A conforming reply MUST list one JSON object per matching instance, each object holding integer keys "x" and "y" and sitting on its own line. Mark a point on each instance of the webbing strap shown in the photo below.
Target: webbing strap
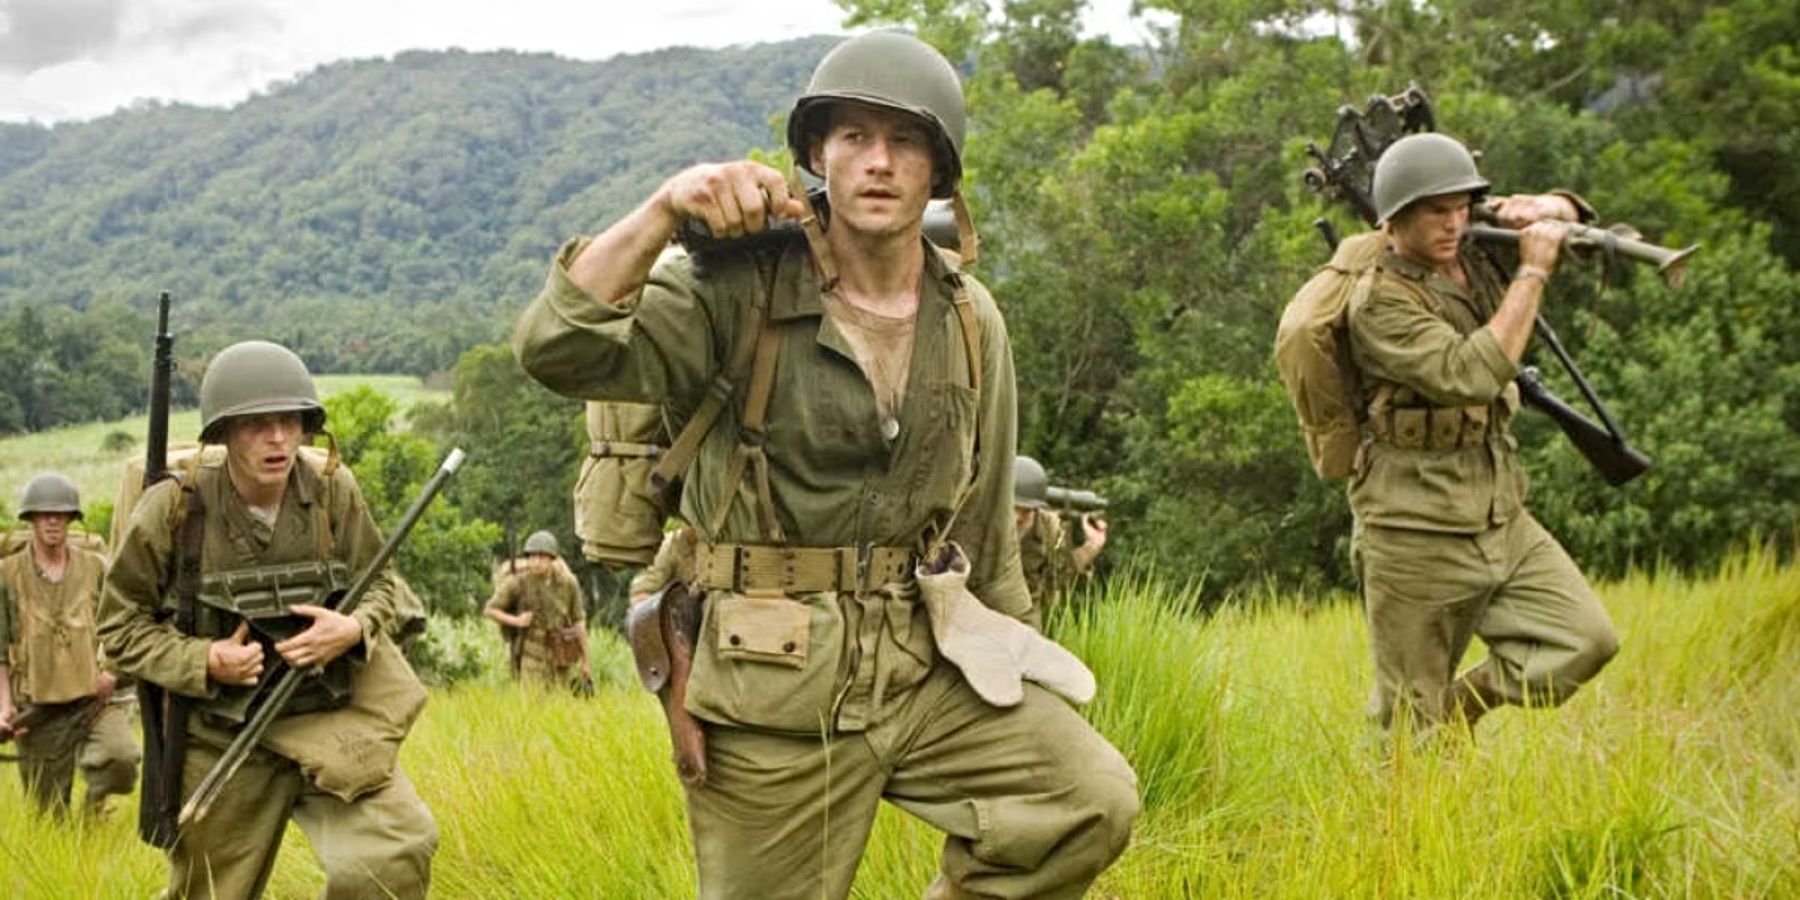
{"x": 815, "y": 234}
{"x": 687, "y": 444}
{"x": 750, "y": 442}
{"x": 968, "y": 243}
{"x": 628, "y": 449}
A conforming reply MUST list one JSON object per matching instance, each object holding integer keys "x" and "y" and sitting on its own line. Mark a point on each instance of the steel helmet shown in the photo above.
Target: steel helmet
{"x": 1419, "y": 166}
{"x": 252, "y": 378}
{"x": 894, "y": 71}
{"x": 49, "y": 492}
{"x": 1031, "y": 485}
{"x": 541, "y": 542}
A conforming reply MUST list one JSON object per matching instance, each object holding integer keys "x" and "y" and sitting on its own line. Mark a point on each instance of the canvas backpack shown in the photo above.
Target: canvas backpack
{"x": 1312, "y": 351}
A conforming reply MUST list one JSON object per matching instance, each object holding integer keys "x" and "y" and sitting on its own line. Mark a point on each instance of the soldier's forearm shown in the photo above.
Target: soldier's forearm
{"x": 618, "y": 260}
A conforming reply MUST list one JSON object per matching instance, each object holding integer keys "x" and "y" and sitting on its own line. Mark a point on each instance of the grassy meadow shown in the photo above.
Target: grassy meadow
{"x": 1673, "y": 775}
{"x": 85, "y": 454}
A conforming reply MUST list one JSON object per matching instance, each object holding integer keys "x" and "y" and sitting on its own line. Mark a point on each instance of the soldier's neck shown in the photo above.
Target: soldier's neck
{"x": 880, "y": 273}
{"x": 50, "y": 560}
{"x": 255, "y": 493}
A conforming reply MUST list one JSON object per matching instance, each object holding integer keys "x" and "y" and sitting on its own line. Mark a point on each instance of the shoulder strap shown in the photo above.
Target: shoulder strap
{"x": 686, "y": 445}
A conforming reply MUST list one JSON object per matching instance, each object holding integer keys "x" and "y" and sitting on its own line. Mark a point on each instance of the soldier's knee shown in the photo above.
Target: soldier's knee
{"x": 1593, "y": 650}
{"x": 1110, "y": 794}
{"x": 115, "y": 776}
{"x": 398, "y": 866}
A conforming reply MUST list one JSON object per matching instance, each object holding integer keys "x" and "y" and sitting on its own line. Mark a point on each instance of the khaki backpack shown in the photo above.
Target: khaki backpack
{"x": 618, "y": 515}
{"x": 1312, "y": 350}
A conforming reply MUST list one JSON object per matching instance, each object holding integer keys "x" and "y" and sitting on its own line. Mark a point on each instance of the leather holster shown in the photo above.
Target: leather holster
{"x": 662, "y": 631}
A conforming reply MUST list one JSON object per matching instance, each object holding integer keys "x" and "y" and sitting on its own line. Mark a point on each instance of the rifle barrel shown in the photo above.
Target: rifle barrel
{"x": 1670, "y": 264}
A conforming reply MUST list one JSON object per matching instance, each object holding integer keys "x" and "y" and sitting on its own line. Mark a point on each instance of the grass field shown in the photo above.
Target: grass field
{"x": 1673, "y": 775}
{"x": 80, "y": 451}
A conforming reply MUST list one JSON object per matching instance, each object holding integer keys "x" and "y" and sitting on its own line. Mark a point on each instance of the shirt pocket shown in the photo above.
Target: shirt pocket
{"x": 768, "y": 662}
{"x": 944, "y": 460}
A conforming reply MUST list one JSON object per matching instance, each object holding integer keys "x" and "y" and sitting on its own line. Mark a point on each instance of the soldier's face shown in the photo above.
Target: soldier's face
{"x": 1022, "y": 516}
{"x": 261, "y": 449}
{"x": 1430, "y": 231}
{"x": 50, "y": 529}
{"x": 877, "y": 166}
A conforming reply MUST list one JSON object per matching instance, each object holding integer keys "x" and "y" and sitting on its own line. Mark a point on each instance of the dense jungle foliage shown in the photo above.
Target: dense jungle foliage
{"x": 1143, "y": 222}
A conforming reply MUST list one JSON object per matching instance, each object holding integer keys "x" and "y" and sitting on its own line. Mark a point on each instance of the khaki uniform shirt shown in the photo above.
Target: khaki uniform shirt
{"x": 1048, "y": 558}
{"x": 674, "y": 560}
{"x": 554, "y": 600}
{"x": 836, "y": 480}
{"x": 1422, "y": 337}
{"x": 49, "y": 629}
{"x": 138, "y": 643}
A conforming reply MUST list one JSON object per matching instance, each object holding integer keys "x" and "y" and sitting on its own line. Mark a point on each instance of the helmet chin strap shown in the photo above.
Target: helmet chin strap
{"x": 968, "y": 243}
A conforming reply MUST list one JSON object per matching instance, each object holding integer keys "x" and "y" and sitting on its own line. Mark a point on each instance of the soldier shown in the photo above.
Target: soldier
{"x": 268, "y": 526}
{"x": 1050, "y": 562}
{"x": 49, "y": 591}
{"x": 543, "y": 601}
{"x": 877, "y": 424}
{"x": 1444, "y": 545}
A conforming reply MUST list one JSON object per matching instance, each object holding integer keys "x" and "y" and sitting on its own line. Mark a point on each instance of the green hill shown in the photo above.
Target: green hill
{"x": 380, "y": 215}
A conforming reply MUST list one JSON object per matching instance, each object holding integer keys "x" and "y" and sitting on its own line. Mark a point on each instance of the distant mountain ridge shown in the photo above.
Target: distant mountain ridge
{"x": 381, "y": 214}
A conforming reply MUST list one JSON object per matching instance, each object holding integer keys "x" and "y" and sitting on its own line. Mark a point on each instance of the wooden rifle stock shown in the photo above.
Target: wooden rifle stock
{"x": 1615, "y": 460}
{"x": 164, "y": 715}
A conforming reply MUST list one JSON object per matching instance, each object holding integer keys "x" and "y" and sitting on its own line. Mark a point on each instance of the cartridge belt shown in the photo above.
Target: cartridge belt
{"x": 800, "y": 570}
{"x": 1430, "y": 427}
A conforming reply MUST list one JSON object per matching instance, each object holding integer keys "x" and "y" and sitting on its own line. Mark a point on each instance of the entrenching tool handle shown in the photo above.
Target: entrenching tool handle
{"x": 289, "y": 678}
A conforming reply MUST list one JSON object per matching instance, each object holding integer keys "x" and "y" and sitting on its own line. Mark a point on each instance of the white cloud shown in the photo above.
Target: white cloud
{"x": 216, "y": 52}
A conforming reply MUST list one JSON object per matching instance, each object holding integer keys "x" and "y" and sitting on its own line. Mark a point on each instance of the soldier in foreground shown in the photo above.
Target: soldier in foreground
{"x": 56, "y": 698}
{"x": 874, "y": 438}
{"x": 1444, "y": 545}
{"x": 1050, "y": 561}
{"x": 543, "y": 601}
{"x": 266, "y": 525}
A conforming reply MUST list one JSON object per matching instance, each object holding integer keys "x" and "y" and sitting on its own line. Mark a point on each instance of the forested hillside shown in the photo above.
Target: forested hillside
{"x": 1143, "y": 219}
{"x": 380, "y": 215}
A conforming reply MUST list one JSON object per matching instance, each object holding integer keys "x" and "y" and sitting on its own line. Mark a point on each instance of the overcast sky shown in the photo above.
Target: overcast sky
{"x": 78, "y": 59}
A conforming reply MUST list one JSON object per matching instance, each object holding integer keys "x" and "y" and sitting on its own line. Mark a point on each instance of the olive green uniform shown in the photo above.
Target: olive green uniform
{"x": 374, "y": 837}
{"x": 1047, "y": 556}
{"x": 820, "y": 702}
{"x": 1444, "y": 546}
{"x": 553, "y": 597}
{"x": 53, "y": 655}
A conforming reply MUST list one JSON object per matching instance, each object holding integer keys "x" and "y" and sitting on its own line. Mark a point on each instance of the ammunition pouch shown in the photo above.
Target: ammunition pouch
{"x": 262, "y": 597}
{"x": 1430, "y": 427}
{"x": 566, "y": 646}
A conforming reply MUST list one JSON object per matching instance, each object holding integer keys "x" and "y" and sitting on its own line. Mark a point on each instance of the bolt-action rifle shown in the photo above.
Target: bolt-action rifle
{"x": 164, "y": 713}
{"x": 1345, "y": 172}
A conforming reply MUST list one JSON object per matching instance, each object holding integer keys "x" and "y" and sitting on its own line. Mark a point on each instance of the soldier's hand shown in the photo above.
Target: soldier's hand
{"x": 1094, "y": 529}
{"x": 733, "y": 199}
{"x": 1540, "y": 244}
{"x": 1520, "y": 210}
{"x": 103, "y": 687}
{"x": 329, "y": 636}
{"x": 523, "y": 620}
{"x": 235, "y": 660}
{"x": 7, "y": 711}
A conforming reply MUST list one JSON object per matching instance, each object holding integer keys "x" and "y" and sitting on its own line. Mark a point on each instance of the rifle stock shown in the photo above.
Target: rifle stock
{"x": 1615, "y": 460}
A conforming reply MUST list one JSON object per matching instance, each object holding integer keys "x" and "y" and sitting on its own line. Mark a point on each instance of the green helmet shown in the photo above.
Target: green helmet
{"x": 1031, "y": 485}
{"x": 49, "y": 492}
{"x": 541, "y": 542}
{"x": 1419, "y": 166}
{"x": 252, "y": 378}
{"x": 892, "y": 71}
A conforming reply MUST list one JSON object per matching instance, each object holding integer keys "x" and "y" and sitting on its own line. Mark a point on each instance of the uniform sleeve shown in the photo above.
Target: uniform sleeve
{"x": 651, "y": 347}
{"x": 134, "y": 642}
{"x": 576, "y": 607}
{"x": 387, "y": 607}
{"x": 984, "y": 527}
{"x": 8, "y": 619}
{"x": 1396, "y": 338}
{"x": 506, "y": 594}
{"x": 661, "y": 570}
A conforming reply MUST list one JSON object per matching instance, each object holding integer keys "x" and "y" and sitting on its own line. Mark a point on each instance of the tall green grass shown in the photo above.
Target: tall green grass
{"x": 1672, "y": 775}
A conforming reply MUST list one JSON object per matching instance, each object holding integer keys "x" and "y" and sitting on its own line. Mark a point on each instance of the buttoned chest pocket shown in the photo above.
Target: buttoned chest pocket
{"x": 770, "y": 662}
{"x": 945, "y": 456}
